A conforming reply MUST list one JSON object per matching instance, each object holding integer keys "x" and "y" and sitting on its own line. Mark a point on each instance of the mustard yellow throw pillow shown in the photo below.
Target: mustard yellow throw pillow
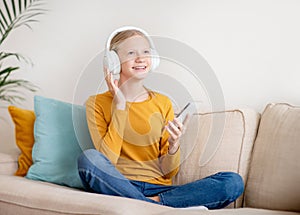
{"x": 24, "y": 123}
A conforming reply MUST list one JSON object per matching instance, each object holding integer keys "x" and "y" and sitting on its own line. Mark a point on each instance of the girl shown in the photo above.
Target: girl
{"x": 137, "y": 138}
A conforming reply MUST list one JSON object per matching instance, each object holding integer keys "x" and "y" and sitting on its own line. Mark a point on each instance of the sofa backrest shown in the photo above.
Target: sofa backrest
{"x": 274, "y": 176}
{"x": 218, "y": 141}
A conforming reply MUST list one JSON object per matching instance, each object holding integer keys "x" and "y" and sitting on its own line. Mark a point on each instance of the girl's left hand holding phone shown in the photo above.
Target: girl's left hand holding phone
{"x": 175, "y": 129}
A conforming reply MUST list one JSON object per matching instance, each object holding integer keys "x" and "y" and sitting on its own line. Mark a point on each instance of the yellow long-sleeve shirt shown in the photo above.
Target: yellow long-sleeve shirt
{"x": 134, "y": 139}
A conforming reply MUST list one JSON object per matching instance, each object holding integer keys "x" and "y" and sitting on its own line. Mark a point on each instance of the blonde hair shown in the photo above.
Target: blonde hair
{"x": 123, "y": 35}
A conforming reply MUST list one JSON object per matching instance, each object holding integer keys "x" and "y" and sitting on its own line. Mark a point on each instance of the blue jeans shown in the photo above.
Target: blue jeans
{"x": 99, "y": 175}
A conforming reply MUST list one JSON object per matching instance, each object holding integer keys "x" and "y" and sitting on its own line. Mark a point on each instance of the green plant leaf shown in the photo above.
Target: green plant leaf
{"x": 12, "y": 91}
{"x": 20, "y": 6}
{"x": 7, "y": 10}
{"x": 14, "y": 14}
{"x": 23, "y": 18}
{"x": 19, "y": 57}
{"x": 11, "y": 85}
{"x": 5, "y": 73}
{"x": 14, "y": 7}
{"x": 4, "y": 19}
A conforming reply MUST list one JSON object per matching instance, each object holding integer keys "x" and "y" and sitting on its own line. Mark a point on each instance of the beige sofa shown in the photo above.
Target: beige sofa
{"x": 262, "y": 148}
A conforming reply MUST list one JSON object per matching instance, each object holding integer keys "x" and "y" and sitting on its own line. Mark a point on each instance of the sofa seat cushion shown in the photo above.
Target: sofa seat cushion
{"x": 237, "y": 211}
{"x": 8, "y": 163}
{"x": 274, "y": 175}
{"x": 19, "y": 195}
{"x": 219, "y": 141}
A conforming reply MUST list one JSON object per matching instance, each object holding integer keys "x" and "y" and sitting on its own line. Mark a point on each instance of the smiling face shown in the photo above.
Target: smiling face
{"x": 134, "y": 54}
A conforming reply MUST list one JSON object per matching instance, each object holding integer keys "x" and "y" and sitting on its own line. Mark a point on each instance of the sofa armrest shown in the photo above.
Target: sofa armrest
{"x": 8, "y": 163}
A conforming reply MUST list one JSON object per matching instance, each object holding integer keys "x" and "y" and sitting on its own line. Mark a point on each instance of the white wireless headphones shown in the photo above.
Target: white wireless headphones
{"x": 111, "y": 59}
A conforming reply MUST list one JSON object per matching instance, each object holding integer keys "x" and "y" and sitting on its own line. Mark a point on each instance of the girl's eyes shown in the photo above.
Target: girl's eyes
{"x": 131, "y": 53}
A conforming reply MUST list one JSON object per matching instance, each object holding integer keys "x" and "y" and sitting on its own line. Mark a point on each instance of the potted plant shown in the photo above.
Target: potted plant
{"x": 14, "y": 14}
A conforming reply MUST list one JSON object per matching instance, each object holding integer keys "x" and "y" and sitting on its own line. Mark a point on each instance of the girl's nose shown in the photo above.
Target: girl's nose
{"x": 140, "y": 58}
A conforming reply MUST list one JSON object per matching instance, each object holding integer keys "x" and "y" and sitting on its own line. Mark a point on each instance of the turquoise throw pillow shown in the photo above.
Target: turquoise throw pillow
{"x": 61, "y": 134}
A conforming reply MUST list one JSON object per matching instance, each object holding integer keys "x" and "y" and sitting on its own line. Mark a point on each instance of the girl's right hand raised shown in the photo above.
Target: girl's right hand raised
{"x": 113, "y": 86}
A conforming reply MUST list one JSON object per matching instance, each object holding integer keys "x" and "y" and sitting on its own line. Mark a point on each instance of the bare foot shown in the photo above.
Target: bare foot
{"x": 155, "y": 198}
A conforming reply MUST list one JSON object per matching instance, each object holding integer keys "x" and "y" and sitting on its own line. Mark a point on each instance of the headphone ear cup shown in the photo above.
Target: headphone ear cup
{"x": 155, "y": 60}
{"x": 112, "y": 62}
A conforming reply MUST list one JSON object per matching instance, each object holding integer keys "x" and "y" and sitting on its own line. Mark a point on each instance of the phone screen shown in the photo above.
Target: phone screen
{"x": 187, "y": 109}
{"x": 183, "y": 109}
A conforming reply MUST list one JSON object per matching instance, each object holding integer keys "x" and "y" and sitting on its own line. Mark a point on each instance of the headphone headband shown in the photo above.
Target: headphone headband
{"x": 126, "y": 28}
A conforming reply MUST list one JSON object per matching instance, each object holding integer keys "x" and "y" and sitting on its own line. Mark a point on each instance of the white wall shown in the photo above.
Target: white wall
{"x": 251, "y": 45}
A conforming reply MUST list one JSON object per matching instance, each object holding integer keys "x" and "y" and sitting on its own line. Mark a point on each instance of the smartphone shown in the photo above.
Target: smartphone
{"x": 184, "y": 112}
